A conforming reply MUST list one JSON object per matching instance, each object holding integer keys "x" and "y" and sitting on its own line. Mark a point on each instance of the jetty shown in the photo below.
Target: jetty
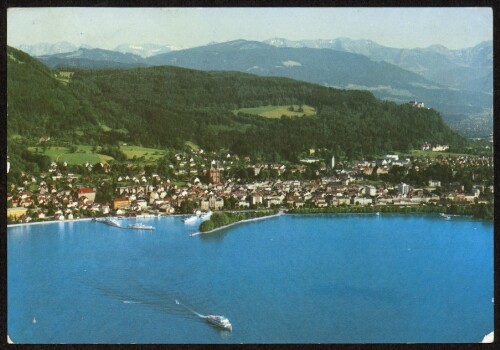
{"x": 238, "y": 222}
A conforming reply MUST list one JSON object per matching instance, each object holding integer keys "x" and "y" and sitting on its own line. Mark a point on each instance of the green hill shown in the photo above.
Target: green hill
{"x": 167, "y": 106}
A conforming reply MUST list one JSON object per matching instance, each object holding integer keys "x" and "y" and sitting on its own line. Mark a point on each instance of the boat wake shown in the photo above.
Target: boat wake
{"x": 157, "y": 299}
{"x": 194, "y": 312}
{"x": 151, "y": 297}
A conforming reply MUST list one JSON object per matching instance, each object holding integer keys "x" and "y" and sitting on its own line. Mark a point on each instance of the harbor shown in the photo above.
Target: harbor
{"x": 115, "y": 223}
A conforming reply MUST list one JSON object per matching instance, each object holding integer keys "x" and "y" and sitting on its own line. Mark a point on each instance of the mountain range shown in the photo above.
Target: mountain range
{"x": 143, "y": 50}
{"x": 458, "y": 83}
{"x": 468, "y": 68}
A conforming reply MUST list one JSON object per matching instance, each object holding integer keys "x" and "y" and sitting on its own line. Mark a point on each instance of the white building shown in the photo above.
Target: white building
{"x": 392, "y": 157}
{"x": 434, "y": 183}
{"x": 403, "y": 188}
{"x": 440, "y": 148}
{"x": 211, "y": 203}
{"x": 371, "y": 191}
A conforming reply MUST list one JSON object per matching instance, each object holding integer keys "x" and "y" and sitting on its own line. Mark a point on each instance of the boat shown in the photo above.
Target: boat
{"x": 109, "y": 221}
{"x": 192, "y": 219}
{"x": 219, "y": 321}
{"x": 377, "y": 213}
{"x": 140, "y": 227}
{"x": 206, "y": 216}
{"x": 445, "y": 216}
{"x": 112, "y": 222}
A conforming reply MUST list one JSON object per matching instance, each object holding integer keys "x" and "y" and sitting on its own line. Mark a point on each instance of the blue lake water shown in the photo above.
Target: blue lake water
{"x": 290, "y": 279}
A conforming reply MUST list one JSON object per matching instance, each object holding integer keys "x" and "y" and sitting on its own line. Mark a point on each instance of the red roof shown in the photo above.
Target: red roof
{"x": 86, "y": 190}
{"x": 121, "y": 200}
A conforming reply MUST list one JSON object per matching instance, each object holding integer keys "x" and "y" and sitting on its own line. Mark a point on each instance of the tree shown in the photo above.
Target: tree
{"x": 207, "y": 226}
{"x": 187, "y": 207}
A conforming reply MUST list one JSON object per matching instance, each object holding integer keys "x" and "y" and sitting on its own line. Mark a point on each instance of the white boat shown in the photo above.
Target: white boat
{"x": 445, "y": 216}
{"x": 109, "y": 221}
{"x": 191, "y": 219}
{"x": 140, "y": 227}
{"x": 219, "y": 321}
{"x": 377, "y": 213}
{"x": 206, "y": 216}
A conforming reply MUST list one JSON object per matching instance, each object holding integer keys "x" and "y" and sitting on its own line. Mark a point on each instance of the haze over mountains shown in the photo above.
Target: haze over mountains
{"x": 458, "y": 83}
{"x": 143, "y": 50}
{"x": 458, "y": 68}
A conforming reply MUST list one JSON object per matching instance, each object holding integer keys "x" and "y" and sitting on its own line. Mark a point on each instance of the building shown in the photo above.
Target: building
{"x": 370, "y": 191}
{"x": 256, "y": 199}
{"x": 391, "y": 157}
{"x": 204, "y": 204}
{"x": 440, "y": 148}
{"x": 434, "y": 183}
{"x": 310, "y": 160}
{"x": 215, "y": 173}
{"x": 119, "y": 203}
{"x": 403, "y": 188}
{"x": 211, "y": 203}
{"x": 215, "y": 203}
{"x": 15, "y": 213}
{"x": 87, "y": 192}
{"x": 416, "y": 104}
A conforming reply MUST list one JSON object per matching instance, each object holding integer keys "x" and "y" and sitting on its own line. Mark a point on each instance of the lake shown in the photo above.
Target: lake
{"x": 290, "y": 279}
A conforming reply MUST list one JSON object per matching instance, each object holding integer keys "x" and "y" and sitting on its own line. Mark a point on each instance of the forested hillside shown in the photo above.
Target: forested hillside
{"x": 166, "y": 106}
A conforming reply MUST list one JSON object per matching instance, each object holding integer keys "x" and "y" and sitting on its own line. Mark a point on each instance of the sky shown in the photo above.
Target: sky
{"x": 188, "y": 27}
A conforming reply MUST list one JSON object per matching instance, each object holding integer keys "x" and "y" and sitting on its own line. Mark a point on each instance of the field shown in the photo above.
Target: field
{"x": 149, "y": 154}
{"x": 192, "y": 145}
{"x": 278, "y": 111}
{"x": 64, "y": 77}
{"x": 82, "y": 155}
{"x": 431, "y": 154}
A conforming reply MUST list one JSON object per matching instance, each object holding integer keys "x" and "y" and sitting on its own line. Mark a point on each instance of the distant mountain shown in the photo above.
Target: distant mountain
{"x": 453, "y": 68}
{"x": 145, "y": 50}
{"x": 329, "y": 68}
{"x": 93, "y": 58}
{"x": 362, "y": 47}
{"x": 47, "y": 48}
{"x": 326, "y": 67}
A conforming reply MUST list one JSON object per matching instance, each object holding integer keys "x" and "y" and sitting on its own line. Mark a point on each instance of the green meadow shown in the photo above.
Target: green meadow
{"x": 82, "y": 155}
{"x": 278, "y": 111}
{"x": 431, "y": 154}
{"x": 149, "y": 154}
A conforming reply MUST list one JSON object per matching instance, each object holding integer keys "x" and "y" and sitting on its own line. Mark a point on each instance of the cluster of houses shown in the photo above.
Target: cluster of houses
{"x": 435, "y": 148}
{"x": 61, "y": 195}
{"x": 416, "y": 104}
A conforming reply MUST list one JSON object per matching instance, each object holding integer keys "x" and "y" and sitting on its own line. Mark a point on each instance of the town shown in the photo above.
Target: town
{"x": 213, "y": 181}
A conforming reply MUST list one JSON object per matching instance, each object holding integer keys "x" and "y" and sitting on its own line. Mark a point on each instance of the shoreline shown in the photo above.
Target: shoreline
{"x": 237, "y": 222}
{"x": 47, "y": 222}
{"x": 218, "y": 228}
{"x": 87, "y": 219}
